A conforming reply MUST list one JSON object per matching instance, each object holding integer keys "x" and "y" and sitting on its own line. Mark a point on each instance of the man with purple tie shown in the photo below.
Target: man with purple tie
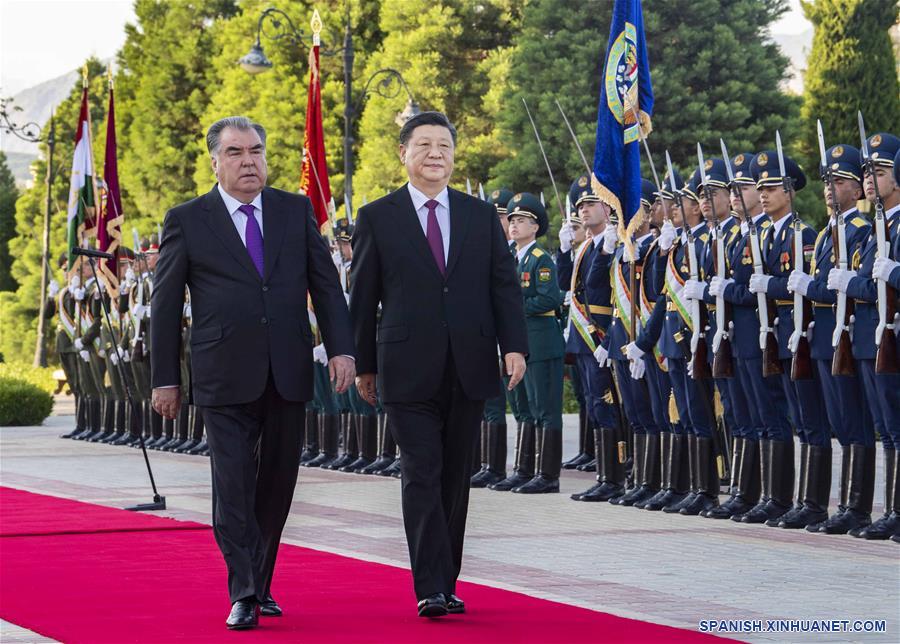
{"x": 249, "y": 255}
{"x": 438, "y": 263}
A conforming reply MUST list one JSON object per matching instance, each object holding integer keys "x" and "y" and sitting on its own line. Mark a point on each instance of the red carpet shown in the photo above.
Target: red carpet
{"x": 147, "y": 582}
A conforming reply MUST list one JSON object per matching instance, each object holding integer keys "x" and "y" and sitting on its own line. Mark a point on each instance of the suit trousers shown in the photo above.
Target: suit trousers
{"x": 254, "y": 454}
{"x": 437, "y": 439}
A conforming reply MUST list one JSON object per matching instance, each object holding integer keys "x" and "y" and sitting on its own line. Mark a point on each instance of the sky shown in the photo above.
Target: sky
{"x": 79, "y": 28}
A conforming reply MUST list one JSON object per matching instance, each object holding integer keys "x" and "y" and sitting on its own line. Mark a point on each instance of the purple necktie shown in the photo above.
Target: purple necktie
{"x": 434, "y": 237}
{"x": 254, "y": 238}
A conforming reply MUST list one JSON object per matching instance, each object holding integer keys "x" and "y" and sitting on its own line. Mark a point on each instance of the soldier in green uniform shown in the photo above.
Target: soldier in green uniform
{"x": 544, "y": 376}
{"x": 63, "y": 302}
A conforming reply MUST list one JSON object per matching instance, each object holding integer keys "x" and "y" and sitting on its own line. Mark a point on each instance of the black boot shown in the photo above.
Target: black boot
{"x": 133, "y": 419}
{"x": 109, "y": 421}
{"x": 367, "y": 436}
{"x": 737, "y": 447}
{"x": 548, "y": 464}
{"x": 610, "y": 471}
{"x": 387, "y": 448}
{"x": 480, "y": 456}
{"x": 859, "y": 494}
{"x": 584, "y": 455}
{"x": 118, "y": 423}
{"x": 707, "y": 479}
{"x": 843, "y": 492}
{"x": 781, "y": 487}
{"x": 202, "y": 447}
{"x": 524, "y": 467}
{"x": 348, "y": 443}
{"x": 89, "y": 412}
{"x": 329, "y": 427}
{"x": 765, "y": 479}
{"x": 889, "y": 524}
{"x": 311, "y": 432}
{"x": 79, "y": 418}
{"x": 689, "y": 472}
{"x": 663, "y": 477}
{"x": 393, "y": 470}
{"x": 677, "y": 481}
{"x": 816, "y": 490}
{"x": 495, "y": 454}
{"x": 639, "y": 460}
{"x": 747, "y": 484}
{"x": 788, "y": 516}
{"x": 182, "y": 429}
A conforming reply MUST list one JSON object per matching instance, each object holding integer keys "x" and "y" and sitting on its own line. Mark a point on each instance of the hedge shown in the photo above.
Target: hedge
{"x": 22, "y": 403}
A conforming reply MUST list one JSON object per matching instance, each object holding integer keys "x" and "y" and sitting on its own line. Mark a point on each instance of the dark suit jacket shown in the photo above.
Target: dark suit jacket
{"x": 424, "y": 315}
{"x": 243, "y": 324}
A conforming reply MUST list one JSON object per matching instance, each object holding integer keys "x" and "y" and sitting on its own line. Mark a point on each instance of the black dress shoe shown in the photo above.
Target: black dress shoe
{"x": 244, "y": 614}
{"x": 455, "y": 605}
{"x": 433, "y": 606}
{"x": 540, "y": 484}
{"x": 515, "y": 479}
{"x": 269, "y": 607}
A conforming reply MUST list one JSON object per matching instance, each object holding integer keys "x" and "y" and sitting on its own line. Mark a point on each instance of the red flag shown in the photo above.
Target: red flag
{"x": 109, "y": 230}
{"x": 314, "y": 171}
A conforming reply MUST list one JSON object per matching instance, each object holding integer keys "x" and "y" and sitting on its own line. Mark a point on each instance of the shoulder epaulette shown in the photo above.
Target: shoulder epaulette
{"x": 735, "y": 229}
{"x": 766, "y": 223}
{"x": 537, "y": 252}
{"x": 704, "y": 237}
{"x": 859, "y": 222}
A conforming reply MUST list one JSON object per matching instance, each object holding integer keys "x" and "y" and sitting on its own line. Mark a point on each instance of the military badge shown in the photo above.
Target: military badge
{"x": 582, "y": 181}
{"x": 876, "y": 141}
{"x": 764, "y": 174}
{"x": 835, "y": 166}
{"x": 874, "y": 155}
{"x": 518, "y": 197}
{"x": 709, "y": 164}
{"x": 739, "y": 173}
{"x": 762, "y": 158}
{"x": 837, "y": 152}
{"x": 739, "y": 160}
{"x": 543, "y": 274}
{"x": 495, "y": 194}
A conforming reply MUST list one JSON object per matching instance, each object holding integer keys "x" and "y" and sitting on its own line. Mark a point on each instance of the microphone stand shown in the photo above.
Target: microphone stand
{"x": 159, "y": 502}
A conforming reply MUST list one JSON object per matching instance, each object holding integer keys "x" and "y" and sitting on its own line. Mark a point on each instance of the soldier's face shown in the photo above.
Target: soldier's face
{"x": 690, "y": 212}
{"x": 594, "y": 215}
{"x": 428, "y": 156}
{"x": 346, "y": 250}
{"x": 577, "y": 231}
{"x": 657, "y": 212}
{"x": 240, "y": 163}
{"x": 504, "y": 222}
{"x": 887, "y": 187}
{"x": 718, "y": 199}
{"x": 522, "y": 229}
{"x": 674, "y": 212}
{"x": 750, "y": 196}
{"x": 152, "y": 258}
{"x": 774, "y": 200}
{"x": 846, "y": 191}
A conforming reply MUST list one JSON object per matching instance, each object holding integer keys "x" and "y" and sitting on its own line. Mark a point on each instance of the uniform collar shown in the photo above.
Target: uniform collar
{"x": 521, "y": 253}
{"x": 780, "y": 224}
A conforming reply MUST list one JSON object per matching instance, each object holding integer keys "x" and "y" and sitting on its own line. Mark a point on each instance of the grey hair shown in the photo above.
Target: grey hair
{"x": 237, "y": 122}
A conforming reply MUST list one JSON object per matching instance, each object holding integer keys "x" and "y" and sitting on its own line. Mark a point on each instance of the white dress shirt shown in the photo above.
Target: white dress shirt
{"x": 238, "y": 217}
{"x": 442, "y": 211}
{"x": 521, "y": 253}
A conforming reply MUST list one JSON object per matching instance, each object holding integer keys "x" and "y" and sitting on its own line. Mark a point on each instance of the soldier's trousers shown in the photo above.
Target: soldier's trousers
{"x": 883, "y": 397}
{"x": 636, "y": 400}
{"x": 597, "y": 385}
{"x": 518, "y": 402}
{"x": 744, "y": 414}
{"x": 766, "y": 398}
{"x": 323, "y": 397}
{"x": 693, "y": 398}
{"x": 544, "y": 387}
{"x": 806, "y": 408}
{"x": 845, "y": 405}
{"x": 495, "y": 408}
{"x": 660, "y": 389}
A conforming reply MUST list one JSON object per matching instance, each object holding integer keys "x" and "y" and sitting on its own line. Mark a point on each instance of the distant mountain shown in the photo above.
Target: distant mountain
{"x": 796, "y": 47}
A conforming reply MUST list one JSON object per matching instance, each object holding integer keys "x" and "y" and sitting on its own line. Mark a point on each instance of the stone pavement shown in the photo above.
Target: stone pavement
{"x": 668, "y": 569}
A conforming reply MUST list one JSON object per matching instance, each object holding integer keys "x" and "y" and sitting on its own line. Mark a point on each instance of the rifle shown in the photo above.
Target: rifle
{"x": 723, "y": 362}
{"x": 768, "y": 343}
{"x": 886, "y": 355}
{"x": 801, "y": 364}
{"x": 842, "y": 359}
{"x": 688, "y": 347}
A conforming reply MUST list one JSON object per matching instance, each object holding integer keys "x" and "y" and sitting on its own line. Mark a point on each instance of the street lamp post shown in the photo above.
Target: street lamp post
{"x": 31, "y": 132}
{"x": 389, "y": 85}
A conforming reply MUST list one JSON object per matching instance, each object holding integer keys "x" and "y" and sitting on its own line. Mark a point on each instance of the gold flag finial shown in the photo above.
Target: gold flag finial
{"x": 316, "y": 24}
{"x": 84, "y": 76}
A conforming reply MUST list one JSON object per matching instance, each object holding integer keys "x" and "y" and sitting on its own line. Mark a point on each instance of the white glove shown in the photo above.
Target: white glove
{"x": 610, "y": 237}
{"x": 717, "y": 285}
{"x": 690, "y": 367}
{"x": 882, "y": 269}
{"x": 693, "y": 290}
{"x": 637, "y": 369}
{"x": 759, "y": 283}
{"x": 126, "y": 356}
{"x": 566, "y": 237}
{"x": 114, "y": 358}
{"x": 138, "y": 311}
{"x": 799, "y": 282}
{"x": 745, "y": 228}
{"x": 839, "y": 279}
{"x": 633, "y": 352}
{"x": 567, "y": 298}
{"x": 129, "y": 274}
{"x": 53, "y": 288}
{"x": 147, "y": 311}
{"x": 85, "y": 355}
{"x": 809, "y": 331}
{"x": 600, "y": 355}
{"x": 79, "y": 345}
{"x": 667, "y": 236}
{"x": 101, "y": 353}
{"x": 79, "y": 294}
{"x": 626, "y": 254}
{"x": 319, "y": 354}
{"x": 74, "y": 283}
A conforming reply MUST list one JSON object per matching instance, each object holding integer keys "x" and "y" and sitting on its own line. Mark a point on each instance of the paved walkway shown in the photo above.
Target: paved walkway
{"x": 668, "y": 569}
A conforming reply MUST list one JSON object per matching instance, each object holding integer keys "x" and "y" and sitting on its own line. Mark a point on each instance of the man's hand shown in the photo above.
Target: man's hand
{"x": 883, "y": 268}
{"x": 799, "y": 282}
{"x": 667, "y": 236}
{"x": 759, "y": 283}
{"x": 342, "y": 371}
{"x": 839, "y": 279}
{"x": 610, "y": 239}
{"x": 166, "y": 401}
{"x": 365, "y": 386}
{"x": 515, "y": 367}
{"x": 566, "y": 237}
{"x": 693, "y": 289}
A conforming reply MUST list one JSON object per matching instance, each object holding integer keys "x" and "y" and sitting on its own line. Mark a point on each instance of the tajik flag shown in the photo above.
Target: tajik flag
{"x": 82, "y": 194}
{"x": 109, "y": 227}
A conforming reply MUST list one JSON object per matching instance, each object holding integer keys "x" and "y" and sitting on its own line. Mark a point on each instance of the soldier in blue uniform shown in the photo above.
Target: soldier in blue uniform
{"x": 842, "y": 394}
{"x": 544, "y": 376}
{"x": 882, "y": 390}
{"x": 615, "y": 264}
{"x": 804, "y": 397}
{"x": 648, "y": 362}
{"x": 589, "y": 317}
{"x": 715, "y": 204}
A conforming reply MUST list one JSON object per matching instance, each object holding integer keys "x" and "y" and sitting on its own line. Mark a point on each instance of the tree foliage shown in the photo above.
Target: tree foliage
{"x": 8, "y": 195}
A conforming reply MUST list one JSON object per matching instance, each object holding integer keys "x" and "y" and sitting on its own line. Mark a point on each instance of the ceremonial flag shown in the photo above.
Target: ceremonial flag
{"x": 82, "y": 194}
{"x": 109, "y": 229}
{"x": 314, "y": 171}
{"x": 626, "y": 103}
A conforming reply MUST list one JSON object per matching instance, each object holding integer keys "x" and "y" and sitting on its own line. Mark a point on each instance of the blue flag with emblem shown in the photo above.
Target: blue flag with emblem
{"x": 626, "y": 103}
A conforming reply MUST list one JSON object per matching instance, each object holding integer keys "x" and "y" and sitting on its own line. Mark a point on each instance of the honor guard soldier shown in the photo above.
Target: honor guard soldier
{"x": 493, "y": 426}
{"x": 804, "y": 396}
{"x": 65, "y": 304}
{"x": 878, "y": 369}
{"x": 544, "y": 375}
{"x": 616, "y": 260}
{"x": 589, "y": 317}
{"x": 91, "y": 371}
{"x": 842, "y": 393}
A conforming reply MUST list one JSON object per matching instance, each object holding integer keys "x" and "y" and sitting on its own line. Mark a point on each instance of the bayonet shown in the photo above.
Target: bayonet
{"x": 546, "y": 162}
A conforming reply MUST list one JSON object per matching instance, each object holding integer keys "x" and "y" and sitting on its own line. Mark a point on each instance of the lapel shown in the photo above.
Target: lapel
{"x": 409, "y": 223}
{"x": 459, "y": 224}
{"x": 275, "y": 219}
{"x": 219, "y": 222}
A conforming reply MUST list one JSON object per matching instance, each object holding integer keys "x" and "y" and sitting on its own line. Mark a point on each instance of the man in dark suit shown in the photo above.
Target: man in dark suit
{"x": 437, "y": 261}
{"x": 249, "y": 255}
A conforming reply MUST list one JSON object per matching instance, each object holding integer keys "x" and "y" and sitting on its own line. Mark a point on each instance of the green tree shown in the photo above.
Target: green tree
{"x": 164, "y": 83}
{"x": 851, "y": 67}
{"x": 8, "y": 195}
{"x": 19, "y": 309}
